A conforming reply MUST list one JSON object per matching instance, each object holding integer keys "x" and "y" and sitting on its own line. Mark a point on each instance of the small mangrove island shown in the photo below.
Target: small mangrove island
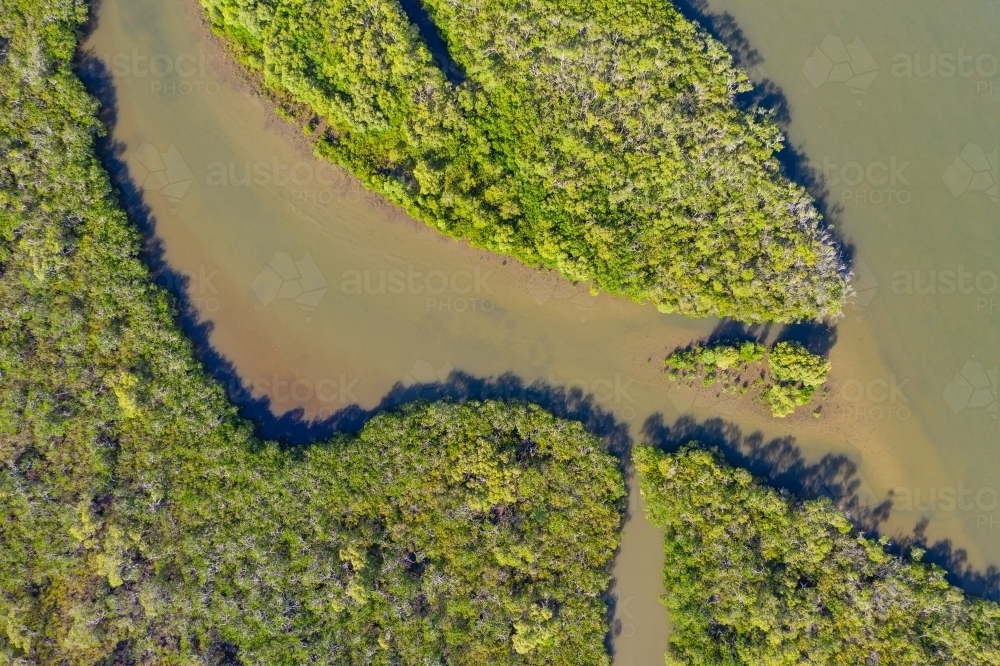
{"x": 790, "y": 379}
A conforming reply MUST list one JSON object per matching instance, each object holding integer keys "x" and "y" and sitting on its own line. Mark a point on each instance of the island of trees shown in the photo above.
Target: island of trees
{"x": 597, "y": 138}
{"x": 790, "y": 379}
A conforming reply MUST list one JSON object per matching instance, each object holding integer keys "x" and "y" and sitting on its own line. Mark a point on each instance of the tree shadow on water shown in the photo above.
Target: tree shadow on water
{"x": 782, "y": 465}
{"x": 817, "y": 337}
{"x": 421, "y": 19}
{"x": 955, "y": 561}
{"x": 730, "y": 330}
{"x": 780, "y": 461}
{"x": 293, "y": 429}
{"x": 112, "y": 154}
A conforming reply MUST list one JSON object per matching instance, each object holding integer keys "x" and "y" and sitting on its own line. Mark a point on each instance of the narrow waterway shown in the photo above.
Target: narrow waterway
{"x": 323, "y": 301}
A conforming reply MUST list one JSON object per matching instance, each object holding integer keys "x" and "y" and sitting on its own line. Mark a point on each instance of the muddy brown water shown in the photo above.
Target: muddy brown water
{"x": 321, "y": 296}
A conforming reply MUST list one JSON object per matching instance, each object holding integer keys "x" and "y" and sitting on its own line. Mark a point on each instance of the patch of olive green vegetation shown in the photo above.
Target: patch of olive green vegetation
{"x": 596, "y": 137}
{"x": 142, "y": 522}
{"x": 784, "y": 376}
{"x": 754, "y": 576}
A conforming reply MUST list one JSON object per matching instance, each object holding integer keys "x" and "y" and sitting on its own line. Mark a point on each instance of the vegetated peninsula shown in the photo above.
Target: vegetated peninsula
{"x": 141, "y": 522}
{"x": 754, "y": 576}
{"x": 596, "y": 137}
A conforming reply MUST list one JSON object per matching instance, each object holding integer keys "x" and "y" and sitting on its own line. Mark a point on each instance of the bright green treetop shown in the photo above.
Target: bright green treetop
{"x": 757, "y": 577}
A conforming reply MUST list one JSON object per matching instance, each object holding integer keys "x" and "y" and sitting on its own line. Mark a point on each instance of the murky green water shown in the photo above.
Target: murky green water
{"x": 323, "y": 296}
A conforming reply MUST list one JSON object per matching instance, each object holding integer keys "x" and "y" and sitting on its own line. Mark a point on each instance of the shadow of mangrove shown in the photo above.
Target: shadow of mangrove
{"x": 97, "y": 79}
{"x": 817, "y": 337}
{"x": 955, "y": 561}
{"x": 779, "y": 461}
{"x": 782, "y": 465}
{"x": 293, "y": 429}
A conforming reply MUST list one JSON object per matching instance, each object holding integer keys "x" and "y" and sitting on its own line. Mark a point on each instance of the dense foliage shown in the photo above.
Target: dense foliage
{"x": 596, "y": 137}
{"x": 142, "y": 522}
{"x": 792, "y": 376}
{"x": 757, "y": 577}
